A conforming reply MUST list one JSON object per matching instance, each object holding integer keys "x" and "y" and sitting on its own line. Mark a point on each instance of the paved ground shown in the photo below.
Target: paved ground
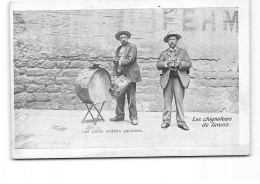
{"x": 63, "y": 129}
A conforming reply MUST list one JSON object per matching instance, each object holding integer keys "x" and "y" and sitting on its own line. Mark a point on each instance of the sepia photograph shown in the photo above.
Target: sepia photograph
{"x": 124, "y": 81}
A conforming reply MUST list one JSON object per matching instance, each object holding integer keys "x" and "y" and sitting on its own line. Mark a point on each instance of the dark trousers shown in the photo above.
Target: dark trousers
{"x": 130, "y": 92}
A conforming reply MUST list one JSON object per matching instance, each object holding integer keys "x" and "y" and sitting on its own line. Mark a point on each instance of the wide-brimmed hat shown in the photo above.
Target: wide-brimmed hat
{"x": 171, "y": 33}
{"x": 122, "y": 32}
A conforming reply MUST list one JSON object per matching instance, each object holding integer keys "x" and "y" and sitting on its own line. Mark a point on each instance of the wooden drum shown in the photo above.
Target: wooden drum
{"x": 92, "y": 85}
{"x": 119, "y": 86}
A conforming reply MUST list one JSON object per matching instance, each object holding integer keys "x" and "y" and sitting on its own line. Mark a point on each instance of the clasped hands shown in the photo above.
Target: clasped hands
{"x": 172, "y": 64}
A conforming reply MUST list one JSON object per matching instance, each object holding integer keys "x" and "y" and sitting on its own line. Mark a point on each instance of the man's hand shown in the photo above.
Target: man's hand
{"x": 116, "y": 60}
{"x": 174, "y": 68}
{"x": 113, "y": 78}
{"x": 171, "y": 61}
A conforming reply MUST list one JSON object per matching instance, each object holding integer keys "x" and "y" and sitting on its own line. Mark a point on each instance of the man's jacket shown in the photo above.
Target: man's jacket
{"x": 129, "y": 64}
{"x": 183, "y": 62}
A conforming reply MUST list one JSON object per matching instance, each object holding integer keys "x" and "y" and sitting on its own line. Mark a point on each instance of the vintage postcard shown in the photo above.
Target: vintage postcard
{"x": 129, "y": 79}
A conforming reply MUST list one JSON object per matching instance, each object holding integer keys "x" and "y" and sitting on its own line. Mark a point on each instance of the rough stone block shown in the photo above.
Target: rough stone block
{"x": 70, "y": 72}
{"x": 197, "y": 75}
{"x": 63, "y": 64}
{"x": 149, "y": 89}
{"x": 23, "y": 97}
{"x": 42, "y": 64}
{"x": 206, "y": 99}
{"x": 33, "y": 88}
{"x": 234, "y": 108}
{"x": 71, "y": 80}
{"x": 53, "y": 72}
{"x": 82, "y": 106}
{"x": 202, "y": 68}
{"x": 16, "y": 72}
{"x": 221, "y": 67}
{"x": 145, "y": 97}
{"x": 233, "y": 96}
{"x": 155, "y": 81}
{"x": 204, "y": 83}
{"x": 55, "y": 97}
{"x": 216, "y": 83}
{"x": 67, "y": 107}
{"x": 148, "y": 61}
{"x": 150, "y": 73}
{"x": 53, "y": 89}
{"x": 79, "y": 64}
{"x": 231, "y": 75}
{"x": 67, "y": 88}
{"x": 16, "y": 56}
{"x": 156, "y": 103}
{"x": 35, "y": 72}
{"x": 19, "y": 105}
{"x": 22, "y": 80}
{"x": 66, "y": 101}
{"x": 62, "y": 98}
{"x": 148, "y": 66}
{"x": 20, "y": 64}
{"x": 50, "y": 64}
{"x": 44, "y": 80}
{"x": 41, "y": 97}
{"x": 18, "y": 88}
{"x": 229, "y": 83}
{"x": 210, "y": 75}
{"x": 42, "y": 72}
{"x": 219, "y": 75}
{"x": 22, "y": 71}
{"x": 58, "y": 80}
{"x": 35, "y": 63}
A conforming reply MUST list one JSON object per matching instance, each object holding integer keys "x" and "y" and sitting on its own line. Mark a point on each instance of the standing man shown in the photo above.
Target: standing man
{"x": 125, "y": 64}
{"x": 175, "y": 64}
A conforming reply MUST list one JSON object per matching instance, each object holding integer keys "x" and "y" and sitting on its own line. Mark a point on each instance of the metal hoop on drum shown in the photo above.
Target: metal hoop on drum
{"x": 119, "y": 86}
{"x": 92, "y": 87}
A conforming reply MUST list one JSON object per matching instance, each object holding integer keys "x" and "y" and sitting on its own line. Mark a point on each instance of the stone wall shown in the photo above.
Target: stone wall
{"x": 51, "y": 47}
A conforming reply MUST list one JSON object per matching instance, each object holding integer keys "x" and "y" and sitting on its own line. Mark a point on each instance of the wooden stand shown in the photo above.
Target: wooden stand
{"x": 89, "y": 107}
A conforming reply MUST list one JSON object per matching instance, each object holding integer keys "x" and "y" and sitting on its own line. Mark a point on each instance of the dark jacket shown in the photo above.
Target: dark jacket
{"x": 129, "y": 65}
{"x": 184, "y": 64}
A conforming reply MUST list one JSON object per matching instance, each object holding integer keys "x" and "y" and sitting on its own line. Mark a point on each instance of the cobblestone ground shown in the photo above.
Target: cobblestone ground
{"x": 64, "y": 129}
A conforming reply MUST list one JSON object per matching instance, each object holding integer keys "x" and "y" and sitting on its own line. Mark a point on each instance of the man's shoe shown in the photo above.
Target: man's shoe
{"x": 183, "y": 127}
{"x": 117, "y": 118}
{"x": 135, "y": 122}
{"x": 165, "y": 124}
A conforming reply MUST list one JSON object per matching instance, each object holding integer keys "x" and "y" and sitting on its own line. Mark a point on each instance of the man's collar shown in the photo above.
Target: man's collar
{"x": 127, "y": 43}
{"x": 172, "y": 49}
{"x": 176, "y": 50}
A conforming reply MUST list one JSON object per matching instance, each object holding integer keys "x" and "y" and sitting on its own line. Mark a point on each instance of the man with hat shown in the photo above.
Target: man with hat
{"x": 125, "y": 63}
{"x": 175, "y": 64}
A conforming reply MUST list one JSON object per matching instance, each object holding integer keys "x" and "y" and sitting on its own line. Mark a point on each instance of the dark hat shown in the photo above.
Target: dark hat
{"x": 171, "y": 33}
{"x": 122, "y": 32}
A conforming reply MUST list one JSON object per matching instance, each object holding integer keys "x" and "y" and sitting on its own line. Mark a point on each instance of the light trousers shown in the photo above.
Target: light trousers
{"x": 174, "y": 89}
